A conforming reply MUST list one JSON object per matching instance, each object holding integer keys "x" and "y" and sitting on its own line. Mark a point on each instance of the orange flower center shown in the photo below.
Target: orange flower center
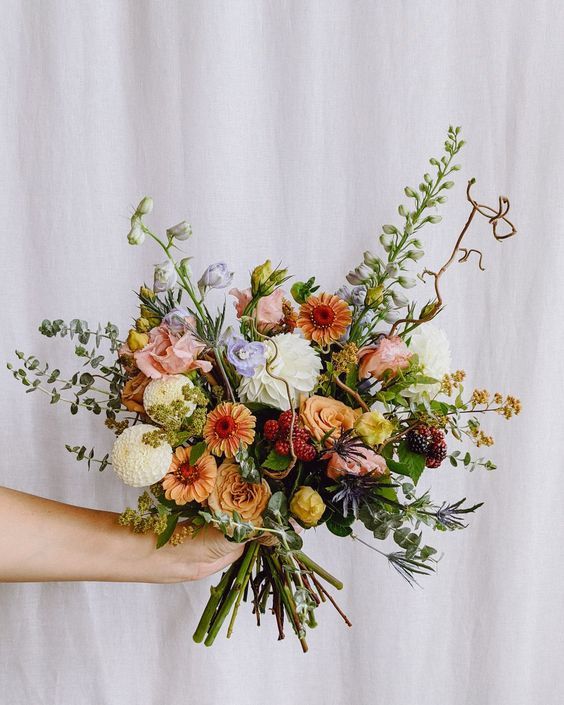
{"x": 225, "y": 426}
{"x": 188, "y": 473}
{"x": 323, "y": 316}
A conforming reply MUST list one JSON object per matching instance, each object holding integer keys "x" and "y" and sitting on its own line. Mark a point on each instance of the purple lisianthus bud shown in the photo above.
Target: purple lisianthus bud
{"x": 176, "y": 320}
{"x": 165, "y": 276}
{"x": 216, "y": 276}
{"x": 244, "y": 356}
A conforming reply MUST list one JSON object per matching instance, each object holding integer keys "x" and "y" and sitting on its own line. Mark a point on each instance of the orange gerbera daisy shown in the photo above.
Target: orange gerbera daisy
{"x": 324, "y": 318}
{"x": 185, "y": 482}
{"x": 229, "y": 426}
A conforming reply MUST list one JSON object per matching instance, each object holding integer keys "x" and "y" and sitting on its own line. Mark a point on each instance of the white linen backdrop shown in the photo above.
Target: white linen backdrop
{"x": 288, "y": 130}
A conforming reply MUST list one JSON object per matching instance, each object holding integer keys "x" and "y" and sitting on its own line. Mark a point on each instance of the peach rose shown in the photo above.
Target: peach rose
{"x": 320, "y": 415}
{"x": 268, "y": 311}
{"x": 169, "y": 354}
{"x": 363, "y": 462}
{"x": 232, "y": 494}
{"x": 388, "y": 354}
{"x": 132, "y": 393}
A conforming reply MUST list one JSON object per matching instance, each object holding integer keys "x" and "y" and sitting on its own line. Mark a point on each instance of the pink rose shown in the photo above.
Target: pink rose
{"x": 388, "y": 354}
{"x": 169, "y": 354}
{"x": 268, "y": 311}
{"x": 365, "y": 462}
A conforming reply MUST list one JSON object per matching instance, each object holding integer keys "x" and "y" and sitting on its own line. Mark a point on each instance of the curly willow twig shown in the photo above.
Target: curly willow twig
{"x": 495, "y": 217}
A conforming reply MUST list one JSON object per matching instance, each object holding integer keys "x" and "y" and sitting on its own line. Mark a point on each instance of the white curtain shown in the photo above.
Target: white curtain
{"x": 288, "y": 129}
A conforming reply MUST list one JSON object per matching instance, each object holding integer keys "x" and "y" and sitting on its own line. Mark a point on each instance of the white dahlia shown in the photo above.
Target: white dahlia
{"x": 136, "y": 463}
{"x": 431, "y": 346}
{"x": 164, "y": 391}
{"x": 290, "y": 358}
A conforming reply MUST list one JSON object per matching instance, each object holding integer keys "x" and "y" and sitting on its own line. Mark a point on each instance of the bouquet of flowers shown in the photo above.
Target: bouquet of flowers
{"x": 317, "y": 409}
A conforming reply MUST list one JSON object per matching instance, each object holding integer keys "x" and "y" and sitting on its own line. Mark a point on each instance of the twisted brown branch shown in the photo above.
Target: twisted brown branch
{"x": 495, "y": 217}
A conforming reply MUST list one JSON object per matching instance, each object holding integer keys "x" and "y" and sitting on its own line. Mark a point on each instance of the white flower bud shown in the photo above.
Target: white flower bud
{"x": 392, "y": 316}
{"x": 386, "y": 240}
{"x": 399, "y": 299}
{"x": 181, "y": 231}
{"x": 145, "y": 206}
{"x": 392, "y": 270}
{"x": 359, "y": 275}
{"x": 415, "y": 255}
{"x": 136, "y": 235}
{"x": 165, "y": 276}
{"x": 407, "y": 282}
{"x": 371, "y": 260}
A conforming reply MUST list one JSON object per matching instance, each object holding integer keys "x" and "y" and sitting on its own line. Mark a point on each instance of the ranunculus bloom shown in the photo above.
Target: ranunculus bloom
{"x": 363, "y": 462}
{"x": 374, "y": 428}
{"x": 388, "y": 354}
{"x": 307, "y": 506}
{"x": 268, "y": 311}
{"x": 232, "y": 494}
{"x": 132, "y": 393}
{"x": 320, "y": 415}
{"x": 168, "y": 354}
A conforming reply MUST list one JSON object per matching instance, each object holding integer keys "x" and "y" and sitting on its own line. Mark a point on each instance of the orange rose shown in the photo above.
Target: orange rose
{"x": 132, "y": 393}
{"x": 232, "y": 494}
{"x": 322, "y": 414}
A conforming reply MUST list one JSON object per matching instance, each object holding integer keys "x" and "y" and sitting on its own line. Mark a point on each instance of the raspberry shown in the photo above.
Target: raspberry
{"x": 307, "y": 454}
{"x": 285, "y": 421}
{"x": 270, "y": 429}
{"x": 282, "y": 447}
{"x": 300, "y": 434}
{"x": 419, "y": 439}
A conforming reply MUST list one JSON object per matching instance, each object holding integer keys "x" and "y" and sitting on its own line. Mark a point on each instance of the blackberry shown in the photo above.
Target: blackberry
{"x": 436, "y": 453}
{"x": 419, "y": 439}
{"x": 437, "y": 434}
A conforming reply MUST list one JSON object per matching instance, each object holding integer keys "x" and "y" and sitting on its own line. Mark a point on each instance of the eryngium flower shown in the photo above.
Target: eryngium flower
{"x": 290, "y": 360}
{"x": 137, "y": 463}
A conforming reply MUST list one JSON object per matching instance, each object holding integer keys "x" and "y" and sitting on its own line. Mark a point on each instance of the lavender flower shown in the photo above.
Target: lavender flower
{"x": 244, "y": 356}
{"x": 176, "y": 320}
{"x": 216, "y": 276}
{"x": 165, "y": 276}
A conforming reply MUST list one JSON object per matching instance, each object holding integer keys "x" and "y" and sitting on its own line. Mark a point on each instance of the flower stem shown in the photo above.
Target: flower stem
{"x": 223, "y": 611}
{"x": 254, "y": 551}
{"x": 315, "y": 568}
{"x": 217, "y": 593}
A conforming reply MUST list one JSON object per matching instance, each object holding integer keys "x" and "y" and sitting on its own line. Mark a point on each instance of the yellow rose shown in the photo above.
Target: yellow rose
{"x": 260, "y": 275}
{"x": 373, "y": 428}
{"x": 137, "y": 341}
{"x": 307, "y": 506}
{"x": 232, "y": 494}
{"x": 323, "y": 414}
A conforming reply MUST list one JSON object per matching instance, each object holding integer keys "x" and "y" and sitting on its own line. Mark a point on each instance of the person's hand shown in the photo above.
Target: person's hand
{"x": 206, "y": 553}
{"x": 42, "y": 540}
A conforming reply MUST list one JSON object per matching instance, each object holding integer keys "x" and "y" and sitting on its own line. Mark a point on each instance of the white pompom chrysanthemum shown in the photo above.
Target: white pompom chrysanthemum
{"x": 290, "y": 358}
{"x": 136, "y": 463}
{"x": 431, "y": 346}
{"x": 164, "y": 391}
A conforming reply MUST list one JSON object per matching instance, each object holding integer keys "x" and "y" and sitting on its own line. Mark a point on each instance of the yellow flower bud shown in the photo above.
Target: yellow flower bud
{"x": 260, "y": 276}
{"x": 373, "y": 428}
{"x": 143, "y": 325}
{"x": 147, "y": 293}
{"x": 374, "y": 295}
{"x": 307, "y": 505}
{"x": 137, "y": 341}
{"x": 149, "y": 315}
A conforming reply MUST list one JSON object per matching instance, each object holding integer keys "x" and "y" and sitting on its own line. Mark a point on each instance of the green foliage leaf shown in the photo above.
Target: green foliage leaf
{"x": 276, "y": 462}
{"x": 171, "y": 522}
{"x": 409, "y": 463}
{"x": 197, "y": 451}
